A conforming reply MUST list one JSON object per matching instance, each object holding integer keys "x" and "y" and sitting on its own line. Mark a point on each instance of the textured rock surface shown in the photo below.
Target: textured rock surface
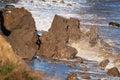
{"x": 54, "y": 42}
{"x": 104, "y": 63}
{"x": 113, "y": 72}
{"x": 23, "y": 36}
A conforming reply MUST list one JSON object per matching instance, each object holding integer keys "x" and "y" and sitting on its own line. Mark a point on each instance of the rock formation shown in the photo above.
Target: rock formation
{"x": 62, "y": 32}
{"x": 19, "y": 27}
{"x": 54, "y": 42}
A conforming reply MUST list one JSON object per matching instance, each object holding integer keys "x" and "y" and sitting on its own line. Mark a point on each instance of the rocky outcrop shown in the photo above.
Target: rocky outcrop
{"x": 114, "y": 72}
{"x": 22, "y": 36}
{"x": 64, "y": 31}
{"x": 7, "y": 55}
{"x": 54, "y": 42}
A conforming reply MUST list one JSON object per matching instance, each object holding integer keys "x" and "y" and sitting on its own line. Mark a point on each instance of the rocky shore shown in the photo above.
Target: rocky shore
{"x": 19, "y": 42}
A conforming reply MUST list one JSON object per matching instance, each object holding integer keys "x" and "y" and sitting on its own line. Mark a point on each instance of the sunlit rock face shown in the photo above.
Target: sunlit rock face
{"x": 7, "y": 54}
{"x": 22, "y": 32}
{"x": 54, "y": 42}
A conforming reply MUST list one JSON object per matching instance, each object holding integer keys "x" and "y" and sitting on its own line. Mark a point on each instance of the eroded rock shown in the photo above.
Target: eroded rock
{"x": 23, "y": 36}
{"x": 54, "y": 42}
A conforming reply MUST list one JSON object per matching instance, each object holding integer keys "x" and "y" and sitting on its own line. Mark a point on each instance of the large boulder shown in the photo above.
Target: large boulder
{"x": 23, "y": 34}
{"x": 114, "y": 72}
{"x": 54, "y": 42}
{"x": 64, "y": 51}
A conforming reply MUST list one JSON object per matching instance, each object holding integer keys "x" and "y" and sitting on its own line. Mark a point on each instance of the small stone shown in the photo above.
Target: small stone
{"x": 79, "y": 60}
{"x": 114, "y": 72}
{"x": 85, "y": 76}
{"x": 104, "y": 63}
{"x": 62, "y": 1}
{"x": 72, "y": 76}
{"x": 84, "y": 69}
{"x": 69, "y": 4}
{"x": 72, "y": 65}
{"x": 54, "y": 1}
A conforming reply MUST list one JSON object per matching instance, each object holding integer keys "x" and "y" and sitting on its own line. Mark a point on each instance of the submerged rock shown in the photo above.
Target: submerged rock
{"x": 72, "y": 76}
{"x": 22, "y": 36}
{"x": 114, "y": 72}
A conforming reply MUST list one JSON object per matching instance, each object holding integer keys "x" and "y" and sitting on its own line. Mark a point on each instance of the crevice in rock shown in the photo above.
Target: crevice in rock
{"x": 2, "y": 27}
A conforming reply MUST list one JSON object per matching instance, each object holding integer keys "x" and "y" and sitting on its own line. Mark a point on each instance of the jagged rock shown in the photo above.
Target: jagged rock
{"x": 54, "y": 42}
{"x": 72, "y": 76}
{"x": 59, "y": 28}
{"x": 7, "y": 55}
{"x": 22, "y": 34}
{"x": 104, "y": 63}
{"x": 73, "y": 29}
{"x": 114, "y": 72}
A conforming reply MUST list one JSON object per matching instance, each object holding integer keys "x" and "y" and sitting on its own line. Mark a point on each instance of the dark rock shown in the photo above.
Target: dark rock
{"x": 114, "y": 72}
{"x": 114, "y": 24}
{"x": 72, "y": 76}
{"x": 54, "y": 42}
{"x": 104, "y": 63}
{"x": 85, "y": 76}
{"x": 23, "y": 36}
